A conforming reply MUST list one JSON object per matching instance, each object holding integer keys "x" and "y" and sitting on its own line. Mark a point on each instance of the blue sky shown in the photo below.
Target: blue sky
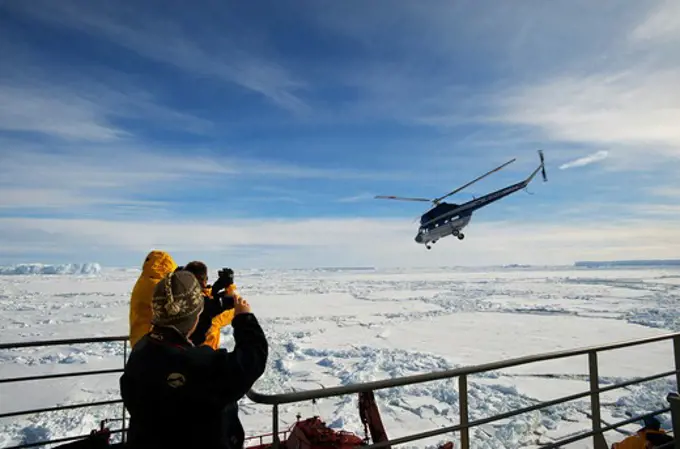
{"x": 256, "y": 134}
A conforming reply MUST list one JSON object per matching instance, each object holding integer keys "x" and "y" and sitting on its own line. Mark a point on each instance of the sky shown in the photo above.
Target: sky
{"x": 257, "y": 134}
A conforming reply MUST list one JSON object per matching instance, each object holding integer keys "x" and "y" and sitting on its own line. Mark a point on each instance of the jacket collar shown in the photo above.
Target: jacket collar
{"x": 169, "y": 335}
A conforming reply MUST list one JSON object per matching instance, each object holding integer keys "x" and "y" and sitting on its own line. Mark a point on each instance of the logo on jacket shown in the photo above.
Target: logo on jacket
{"x": 176, "y": 380}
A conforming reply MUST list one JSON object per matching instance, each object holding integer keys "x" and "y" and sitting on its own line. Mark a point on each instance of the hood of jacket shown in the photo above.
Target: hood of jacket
{"x": 157, "y": 264}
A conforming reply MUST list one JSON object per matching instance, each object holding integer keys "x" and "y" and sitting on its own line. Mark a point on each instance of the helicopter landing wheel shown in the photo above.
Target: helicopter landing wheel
{"x": 461, "y": 236}
{"x": 428, "y": 247}
{"x": 455, "y": 232}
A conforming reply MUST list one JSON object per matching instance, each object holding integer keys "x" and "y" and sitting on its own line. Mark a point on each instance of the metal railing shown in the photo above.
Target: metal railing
{"x": 72, "y": 341}
{"x": 597, "y": 431}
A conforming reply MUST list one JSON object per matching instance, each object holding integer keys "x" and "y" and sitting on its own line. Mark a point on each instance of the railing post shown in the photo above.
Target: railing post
{"x": 676, "y": 352}
{"x": 122, "y": 434}
{"x": 463, "y": 406}
{"x": 674, "y": 398}
{"x": 275, "y": 426}
{"x": 598, "y": 438}
{"x": 674, "y": 401}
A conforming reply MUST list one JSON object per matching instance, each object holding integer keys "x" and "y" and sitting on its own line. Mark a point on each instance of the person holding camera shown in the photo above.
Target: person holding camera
{"x": 180, "y": 395}
{"x": 213, "y": 318}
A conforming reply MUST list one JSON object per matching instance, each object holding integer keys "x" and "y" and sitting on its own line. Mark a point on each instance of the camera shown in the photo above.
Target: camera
{"x": 225, "y": 278}
{"x": 226, "y": 275}
{"x": 226, "y": 301}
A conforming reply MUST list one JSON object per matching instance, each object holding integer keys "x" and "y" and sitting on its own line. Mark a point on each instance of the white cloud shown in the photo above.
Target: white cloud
{"x": 75, "y": 177}
{"x": 628, "y": 100}
{"x": 638, "y": 108}
{"x": 82, "y": 108}
{"x": 360, "y": 241}
{"x": 665, "y": 191}
{"x": 586, "y": 160}
{"x": 193, "y": 43}
{"x": 54, "y": 199}
{"x": 652, "y": 209}
{"x": 606, "y": 82}
{"x": 137, "y": 164}
{"x": 48, "y": 112}
{"x": 96, "y": 171}
{"x": 662, "y": 25}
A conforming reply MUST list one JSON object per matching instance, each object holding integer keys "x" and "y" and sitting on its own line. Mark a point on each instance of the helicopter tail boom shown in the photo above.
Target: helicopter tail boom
{"x": 478, "y": 203}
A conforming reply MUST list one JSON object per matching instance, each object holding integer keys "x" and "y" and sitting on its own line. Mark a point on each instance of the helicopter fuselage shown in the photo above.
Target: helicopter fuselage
{"x": 437, "y": 211}
{"x": 442, "y": 228}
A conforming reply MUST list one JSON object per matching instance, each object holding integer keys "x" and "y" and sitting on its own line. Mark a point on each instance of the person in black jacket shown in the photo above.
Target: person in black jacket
{"x": 208, "y": 329}
{"x": 183, "y": 396}
{"x": 205, "y": 332}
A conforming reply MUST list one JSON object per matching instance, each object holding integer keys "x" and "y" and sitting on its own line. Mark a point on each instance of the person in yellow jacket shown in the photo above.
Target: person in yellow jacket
{"x": 648, "y": 437}
{"x": 208, "y": 331}
{"x": 156, "y": 266}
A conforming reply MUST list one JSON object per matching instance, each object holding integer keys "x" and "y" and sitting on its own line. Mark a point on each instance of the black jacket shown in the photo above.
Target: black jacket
{"x": 182, "y": 396}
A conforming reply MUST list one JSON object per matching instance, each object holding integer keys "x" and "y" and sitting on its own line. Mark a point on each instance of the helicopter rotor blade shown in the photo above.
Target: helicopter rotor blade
{"x": 437, "y": 200}
{"x": 392, "y": 197}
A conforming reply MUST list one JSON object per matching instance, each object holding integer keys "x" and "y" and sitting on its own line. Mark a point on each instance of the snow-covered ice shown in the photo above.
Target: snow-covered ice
{"x": 337, "y": 327}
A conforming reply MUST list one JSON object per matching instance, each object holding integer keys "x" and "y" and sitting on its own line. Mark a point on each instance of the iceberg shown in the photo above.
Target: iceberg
{"x": 38, "y": 268}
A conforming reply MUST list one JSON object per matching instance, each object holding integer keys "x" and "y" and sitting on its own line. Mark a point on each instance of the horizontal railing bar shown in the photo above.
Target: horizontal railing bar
{"x": 60, "y": 440}
{"x": 505, "y": 415}
{"x": 257, "y": 397}
{"x": 415, "y": 437}
{"x": 120, "y": 370}
{"x": 69, "y": 341}
{"x": 287, "y": 398}
{"x": 421, "y": 435}
{"x": 457, "y": 427}
{"x": 637, "y": 381}
{"x": 60, "y": 375}
{"x": 450, "y": 429}
{"x": 479, "y": 422}
{"x": 61, "y": 407}
{"x": 604, "y": 429}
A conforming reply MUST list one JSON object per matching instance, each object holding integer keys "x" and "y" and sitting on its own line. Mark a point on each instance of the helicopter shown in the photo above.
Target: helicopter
{"x": 445, "y": 219}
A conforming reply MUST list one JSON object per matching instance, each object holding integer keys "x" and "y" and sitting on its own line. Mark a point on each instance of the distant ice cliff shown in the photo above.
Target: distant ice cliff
{"x": 38, "y": 268}
{"x": 628, "y": 263}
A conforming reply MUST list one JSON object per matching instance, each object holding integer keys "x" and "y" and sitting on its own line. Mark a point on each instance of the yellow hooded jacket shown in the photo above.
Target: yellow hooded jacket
{"x": 212, "y": 337}
{"x": 637, "y": 441}
{"x": 156, "y": 266}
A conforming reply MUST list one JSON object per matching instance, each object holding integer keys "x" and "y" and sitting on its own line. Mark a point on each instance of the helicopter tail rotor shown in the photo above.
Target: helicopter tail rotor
{"x": 540, "y": 154}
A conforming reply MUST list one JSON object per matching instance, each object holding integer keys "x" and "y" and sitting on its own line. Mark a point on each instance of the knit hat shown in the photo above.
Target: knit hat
{"x": 177, "y": 301}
